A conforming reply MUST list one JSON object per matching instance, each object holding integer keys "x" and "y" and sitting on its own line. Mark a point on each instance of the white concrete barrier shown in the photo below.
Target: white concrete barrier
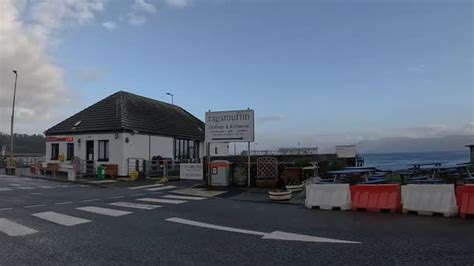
{"x": 328, "y": 196}
{"x": 430, "y": 198}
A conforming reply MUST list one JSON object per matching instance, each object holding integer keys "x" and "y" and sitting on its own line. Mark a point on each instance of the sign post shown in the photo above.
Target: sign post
{"x": 231, "y": 126}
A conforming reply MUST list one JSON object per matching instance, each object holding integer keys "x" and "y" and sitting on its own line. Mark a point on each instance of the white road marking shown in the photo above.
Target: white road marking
{"x": 136, "y": 195}
{"x": 147, "y": 186}
{"x": 25, "y": 188}
{"x": 46, "y": 186}
{"x": 34, "y": 206}
{"x": 117, "y": 197}
{"x": 104, "y": 211}
{"x": 63, "y": 203}
{"x": 61, "y": 219}
{"x": 5, "y": 189}
{"x": 36, "y": 193}
{"x": 89, "y": 200}
{"x": 183, "y": 197}
{"x": 163, "y": 200}
{"x": 161, "y": 188}
{"x": 5, "y": 209}
{"x": 276, "y": 235}
{"x": 135, "y": 205}
{"x": 213, "y": 226}
{"x": 13, "y": 229}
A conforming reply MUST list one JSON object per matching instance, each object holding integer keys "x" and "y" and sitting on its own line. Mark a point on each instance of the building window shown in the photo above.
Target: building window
{"x": 70, "y": 151}
{"x": 54, "y": 151}
{"x": 186, "y": 149}
{"x": 103, "y": 150}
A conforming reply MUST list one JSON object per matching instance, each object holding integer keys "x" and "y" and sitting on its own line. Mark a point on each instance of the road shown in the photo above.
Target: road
{"x": 55, "y": 223}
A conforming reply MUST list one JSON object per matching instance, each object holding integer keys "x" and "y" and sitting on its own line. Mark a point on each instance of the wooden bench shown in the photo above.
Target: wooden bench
{"x": 50, "y": 167}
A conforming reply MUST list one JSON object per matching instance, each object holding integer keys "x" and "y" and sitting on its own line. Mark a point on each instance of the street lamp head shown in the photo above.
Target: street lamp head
{"x": 168, "y": 93}
{"x": 14, "y": 71}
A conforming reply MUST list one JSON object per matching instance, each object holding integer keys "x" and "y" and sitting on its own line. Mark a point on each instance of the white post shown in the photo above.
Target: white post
{"x": 248, "y": 164}
{"x": 208, "y": 150}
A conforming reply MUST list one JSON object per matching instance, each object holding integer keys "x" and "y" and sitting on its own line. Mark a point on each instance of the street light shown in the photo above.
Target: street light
{"x": 172, "y": 97}
{"x": 13, "y": 117}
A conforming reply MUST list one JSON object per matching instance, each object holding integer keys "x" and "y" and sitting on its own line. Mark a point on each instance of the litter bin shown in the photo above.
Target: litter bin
{"x": 220, "y": 173}
{"x": 101, "y": 172}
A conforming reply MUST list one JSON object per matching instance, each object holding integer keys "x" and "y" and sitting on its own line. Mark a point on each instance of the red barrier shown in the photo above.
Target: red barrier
{"x": 376, "y": 198}
{"x": 465, "y": 198}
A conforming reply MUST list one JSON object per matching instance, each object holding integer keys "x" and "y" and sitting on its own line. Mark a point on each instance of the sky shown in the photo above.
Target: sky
{"x": 318, "y": 73}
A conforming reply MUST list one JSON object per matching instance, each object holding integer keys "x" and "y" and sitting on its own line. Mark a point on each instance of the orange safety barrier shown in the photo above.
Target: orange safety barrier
{"x": 376, "y": 198}
{"x": 465, "y": 199}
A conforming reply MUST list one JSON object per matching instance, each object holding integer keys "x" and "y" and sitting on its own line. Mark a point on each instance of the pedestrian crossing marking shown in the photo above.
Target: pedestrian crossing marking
{"x": 135, "y": 205}
{"x": 170, "y": 201}
{"x": 25, "y": 188}
{"x": 104, "y": 211}
{"x": 183, "y": 197}
{"x": 13, "y": 229}
{"x": 61, "y": 219}
{"x": 5, "y": 189}
{"x": 161, "y": 188}
{"x": 147, "y": 186}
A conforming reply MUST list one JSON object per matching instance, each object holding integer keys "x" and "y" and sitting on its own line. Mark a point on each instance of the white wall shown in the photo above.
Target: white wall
{"x": 219, "y": 149}
{"x": 115, "y": 147}
{"x": 138, "y": 146}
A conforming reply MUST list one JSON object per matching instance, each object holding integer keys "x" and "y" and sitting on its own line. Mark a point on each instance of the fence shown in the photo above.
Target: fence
{"x": 157, "y": 168}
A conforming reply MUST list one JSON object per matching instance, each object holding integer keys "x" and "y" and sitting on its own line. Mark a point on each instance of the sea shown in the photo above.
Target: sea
{"x": 398, "y": 161}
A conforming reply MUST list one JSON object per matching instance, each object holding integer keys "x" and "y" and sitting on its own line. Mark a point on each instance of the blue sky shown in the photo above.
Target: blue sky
{"x": 316, "y": 72}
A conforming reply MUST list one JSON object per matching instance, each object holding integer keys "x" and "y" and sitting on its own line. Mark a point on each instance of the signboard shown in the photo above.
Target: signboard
{"x": 230, "y": 126}
{"x": 191, "y": 171}
{"x": 59, "y": 139}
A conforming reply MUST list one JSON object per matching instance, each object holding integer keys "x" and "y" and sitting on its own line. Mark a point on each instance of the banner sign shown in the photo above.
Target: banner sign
{"x": 230, "y": 126}
{"x": 59, "y": 139}
{"x": 191, "y": 171}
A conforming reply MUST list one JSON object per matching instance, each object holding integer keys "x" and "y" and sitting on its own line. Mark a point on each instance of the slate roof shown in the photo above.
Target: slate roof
{"x": 128, "y": 112}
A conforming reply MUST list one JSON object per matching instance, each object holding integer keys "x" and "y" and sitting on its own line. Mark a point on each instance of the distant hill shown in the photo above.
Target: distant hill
{"x": 402, "y": 144}
{"x": 23, "y": 143}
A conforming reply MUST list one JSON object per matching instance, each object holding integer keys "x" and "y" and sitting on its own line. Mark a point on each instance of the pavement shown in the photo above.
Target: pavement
{"x": 178, "y": 223}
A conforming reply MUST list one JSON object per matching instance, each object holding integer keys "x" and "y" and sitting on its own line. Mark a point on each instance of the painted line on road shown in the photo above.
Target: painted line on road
{"x": 117, "y": 197}
{"x": 103, "y": 211}
{"x": 161, "y": 188}
{"x": 63, "y": 203}
{"x": 137, "y": 195}
{"x": 6, "y": 209}
{"x": 46, "y": 186}
{"x": 147, "y": 186}
{"x": 183, "y": 197}
{"x": 135, "y": 205}
{"x": 36, "y": 193}
{"x": 213, "y": 226}
{"x": 60, "y": 218}
{"x": 170, "y": 201}
{"x": 89, "y": 200}
{"x": 13, "y": 229}
{"x": 26, "y": 188}
{"x": 34, "y": 206}
{"x": 276, "y": 235}
{"x": 5, "y": 189}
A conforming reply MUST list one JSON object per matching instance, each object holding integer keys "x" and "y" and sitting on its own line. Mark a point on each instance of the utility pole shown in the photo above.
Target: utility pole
{"x": 13, "y": 118}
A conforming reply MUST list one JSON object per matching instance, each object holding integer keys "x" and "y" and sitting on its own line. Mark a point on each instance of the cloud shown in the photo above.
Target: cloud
{"x": 41, "y": 89}
{"x": 88, "y": 75}
{"x": 263, "y": 119}
{"x": 142, "y": 6}
{"x": 179, "y": 3}
{"x": 140, "y": 9}
{"x": 109, "y": 25}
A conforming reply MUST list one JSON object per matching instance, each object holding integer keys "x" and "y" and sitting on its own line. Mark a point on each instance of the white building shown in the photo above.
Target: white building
{"x": 124, "y": 126}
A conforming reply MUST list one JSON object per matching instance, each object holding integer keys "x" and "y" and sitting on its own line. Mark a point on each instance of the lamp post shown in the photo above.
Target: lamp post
{"x": 172, "y": 97}
{"x": 12, "y": 121}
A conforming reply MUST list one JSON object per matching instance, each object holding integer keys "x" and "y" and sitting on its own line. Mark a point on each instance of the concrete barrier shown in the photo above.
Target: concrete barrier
{"x": 465, "y": 197}
{"x": 428, "y": 199}
{"x": 328, "y": 196}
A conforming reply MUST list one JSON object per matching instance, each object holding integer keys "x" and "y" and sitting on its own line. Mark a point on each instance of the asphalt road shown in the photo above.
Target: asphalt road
{"x": 145, "y": 236}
